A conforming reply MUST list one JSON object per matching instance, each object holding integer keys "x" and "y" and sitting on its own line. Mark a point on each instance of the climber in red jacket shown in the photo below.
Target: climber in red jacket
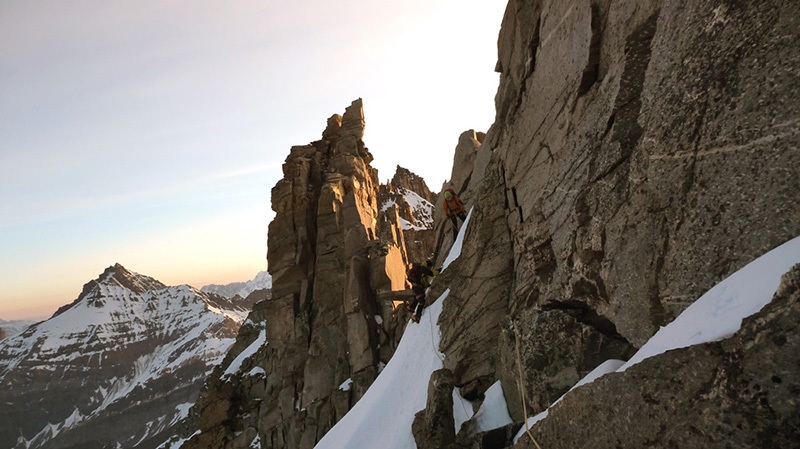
{"x": 453, "y": 208}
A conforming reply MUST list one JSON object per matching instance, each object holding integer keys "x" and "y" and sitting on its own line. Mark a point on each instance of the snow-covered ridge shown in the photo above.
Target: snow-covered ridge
{"x": 422, "y": 210}
{"x": 14, "y": 327}
{"x": 263, "y": 280}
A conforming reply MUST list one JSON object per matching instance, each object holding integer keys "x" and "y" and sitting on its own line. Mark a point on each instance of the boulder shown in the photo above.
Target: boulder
{"x": 434, "y": 426}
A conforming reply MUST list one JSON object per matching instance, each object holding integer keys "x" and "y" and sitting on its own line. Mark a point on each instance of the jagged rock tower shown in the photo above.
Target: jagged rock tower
{"x": 308, "y": 354}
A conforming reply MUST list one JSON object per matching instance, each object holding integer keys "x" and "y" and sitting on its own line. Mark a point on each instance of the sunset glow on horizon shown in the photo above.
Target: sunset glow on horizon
{"x": 151, "y": 133}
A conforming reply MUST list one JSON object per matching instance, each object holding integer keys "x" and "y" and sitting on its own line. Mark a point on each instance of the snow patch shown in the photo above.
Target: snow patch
{"x": 257, "y": 371}
{"x": 494, "y": 410}
{"x": 236, "y": 364}
{"x": 345, "y": 386}
{"x": 718, "y": 314}
{"x": 455, "y": 250}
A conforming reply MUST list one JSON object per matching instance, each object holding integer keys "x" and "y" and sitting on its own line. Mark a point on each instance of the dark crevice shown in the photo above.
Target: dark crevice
{"x": 591, "y": 73}
{"x": 623, "y": 124}
{"x": 534, "y": 47}
{"x": 530, "y": 65}
{"x": 588, "y": 316}
{"x": 628, "y": 102}
{"x": 609, "y": 125}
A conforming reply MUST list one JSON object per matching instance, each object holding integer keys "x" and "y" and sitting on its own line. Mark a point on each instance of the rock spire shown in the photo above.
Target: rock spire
{"x": 324, "y": 336}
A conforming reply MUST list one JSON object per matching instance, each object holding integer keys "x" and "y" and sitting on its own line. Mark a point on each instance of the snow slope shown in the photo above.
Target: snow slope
{"x": 398, "y": 393}
{"x": 718, "y": 314}
{"x": 401, "y": 390}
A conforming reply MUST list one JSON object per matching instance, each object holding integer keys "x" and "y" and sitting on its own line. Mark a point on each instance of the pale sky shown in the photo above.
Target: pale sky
{"x": 150, "y": 133}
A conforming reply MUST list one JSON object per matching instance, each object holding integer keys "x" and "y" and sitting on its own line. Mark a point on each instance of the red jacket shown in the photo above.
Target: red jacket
{"x": 453, "y": 206}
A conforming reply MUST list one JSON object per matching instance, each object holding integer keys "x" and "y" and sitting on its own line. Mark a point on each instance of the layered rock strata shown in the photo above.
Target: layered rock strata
{"x": 311, "y": 351}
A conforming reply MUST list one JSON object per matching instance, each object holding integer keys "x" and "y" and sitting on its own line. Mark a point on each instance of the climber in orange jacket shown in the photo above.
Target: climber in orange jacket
{"x": 453, "y": 208}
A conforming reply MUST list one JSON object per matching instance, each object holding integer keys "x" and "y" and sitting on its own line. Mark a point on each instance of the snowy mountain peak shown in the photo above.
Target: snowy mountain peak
{"x": 262, "y": 281}
{"x": 114, "y": 276}
{"x": 126, "y": 340}
{"x": 119, "y": 275}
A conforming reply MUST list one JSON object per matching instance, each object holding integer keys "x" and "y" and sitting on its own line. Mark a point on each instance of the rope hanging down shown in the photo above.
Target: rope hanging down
{"x": 522, "y": 388}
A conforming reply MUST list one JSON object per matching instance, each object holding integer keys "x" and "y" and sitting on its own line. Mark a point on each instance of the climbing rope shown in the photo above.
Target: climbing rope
{"x": 522, "y": 387}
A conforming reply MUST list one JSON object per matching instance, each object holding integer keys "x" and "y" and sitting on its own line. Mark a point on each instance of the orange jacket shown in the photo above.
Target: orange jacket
{"x": 453, "y": 206}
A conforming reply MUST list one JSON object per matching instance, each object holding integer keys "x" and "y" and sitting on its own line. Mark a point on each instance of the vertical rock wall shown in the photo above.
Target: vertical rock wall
{"x": 642, "y": 152}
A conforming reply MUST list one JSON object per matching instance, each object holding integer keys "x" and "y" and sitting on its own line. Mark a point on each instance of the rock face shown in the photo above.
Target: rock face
{"x": 117, "y": 367}
{"x": 434, "y": 426}
{"x": 739, "y": 392}
{"x": 642, "y": 152}
{"x": 311, "y": 351}
{"x": 469, "y": 156}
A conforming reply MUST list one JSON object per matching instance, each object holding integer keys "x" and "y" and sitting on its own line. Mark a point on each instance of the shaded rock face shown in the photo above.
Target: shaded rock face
{"x": 740, "y": 392}
{"x": 117, "y": 367}
{"x": 310, "y": 352}
{"x": 642, "y": 152}
{"x": 3, "y": 334}
{"x": 470, "y": 157}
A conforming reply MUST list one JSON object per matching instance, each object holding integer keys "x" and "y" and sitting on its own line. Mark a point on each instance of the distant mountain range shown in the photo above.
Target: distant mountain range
{"x": 13, "y": 327}
{"x": 262, "y": 281}
{"x": 118, "y": 367}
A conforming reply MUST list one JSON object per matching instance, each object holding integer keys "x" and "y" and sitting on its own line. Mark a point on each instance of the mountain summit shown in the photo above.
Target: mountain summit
{"x": 117, "y": 366}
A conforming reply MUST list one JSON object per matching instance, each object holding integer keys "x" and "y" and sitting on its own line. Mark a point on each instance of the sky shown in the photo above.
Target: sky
{"x": 150, "y": 133}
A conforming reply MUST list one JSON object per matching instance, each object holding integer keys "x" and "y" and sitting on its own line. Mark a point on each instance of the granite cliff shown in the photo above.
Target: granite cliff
{"x": 641, "y": 153}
